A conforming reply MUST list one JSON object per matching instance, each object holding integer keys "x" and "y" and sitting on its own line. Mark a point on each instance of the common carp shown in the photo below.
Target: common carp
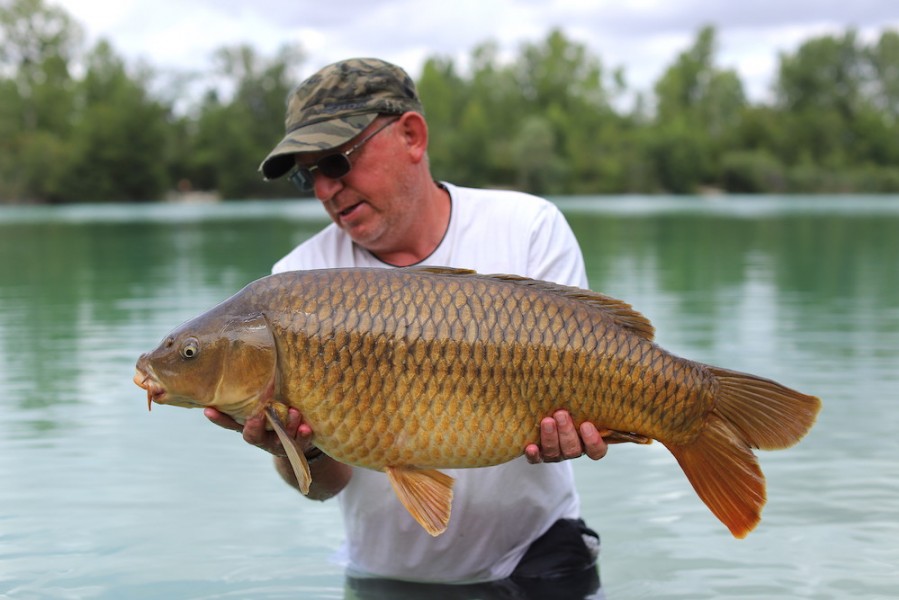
{"x": 386, "y": 365}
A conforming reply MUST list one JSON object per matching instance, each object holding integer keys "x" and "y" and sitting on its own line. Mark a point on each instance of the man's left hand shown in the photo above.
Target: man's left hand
{"x": 559, "y": 440}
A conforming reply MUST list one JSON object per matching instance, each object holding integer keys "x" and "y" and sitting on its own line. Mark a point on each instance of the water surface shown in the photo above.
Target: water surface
{"x": 99, "y": 499}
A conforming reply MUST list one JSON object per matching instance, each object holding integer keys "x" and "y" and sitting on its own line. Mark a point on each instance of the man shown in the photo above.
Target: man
{"x": 357, "y": 137}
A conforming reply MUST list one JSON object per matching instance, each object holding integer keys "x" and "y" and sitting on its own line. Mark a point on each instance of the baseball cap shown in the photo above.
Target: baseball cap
{"x": 334, "y": 105}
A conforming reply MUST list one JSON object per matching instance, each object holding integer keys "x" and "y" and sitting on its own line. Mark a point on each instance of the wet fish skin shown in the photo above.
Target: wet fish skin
{"x": 388, "y": 365}
{"x": 448, "y": 350}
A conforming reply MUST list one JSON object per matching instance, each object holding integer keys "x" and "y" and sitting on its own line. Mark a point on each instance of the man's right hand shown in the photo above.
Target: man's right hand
{"x": 329, "y": 476}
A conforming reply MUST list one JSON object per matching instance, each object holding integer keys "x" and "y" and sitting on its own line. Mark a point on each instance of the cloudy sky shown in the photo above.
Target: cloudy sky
{"x": 643, "y": 36}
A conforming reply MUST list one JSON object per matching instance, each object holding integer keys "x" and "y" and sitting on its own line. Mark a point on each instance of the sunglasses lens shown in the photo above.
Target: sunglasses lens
{"x": 302, "y": 179}
{"x": 334, "y": 166}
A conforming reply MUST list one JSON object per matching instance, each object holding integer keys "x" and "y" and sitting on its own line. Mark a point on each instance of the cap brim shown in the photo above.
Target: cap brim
{"x": 316, "y": 137}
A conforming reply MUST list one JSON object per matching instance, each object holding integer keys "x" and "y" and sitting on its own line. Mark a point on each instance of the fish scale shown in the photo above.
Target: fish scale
{"x": 413, "y": 370}
{"x": 525, "y": 359}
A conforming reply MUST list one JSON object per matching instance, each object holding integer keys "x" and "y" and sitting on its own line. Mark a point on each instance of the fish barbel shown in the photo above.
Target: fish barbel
{"x": 386, "y": 365}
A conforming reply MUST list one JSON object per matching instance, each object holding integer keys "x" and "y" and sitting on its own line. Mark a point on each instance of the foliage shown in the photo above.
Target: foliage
{"x": 242, "y": 130}
{"x": 79, "y": 124}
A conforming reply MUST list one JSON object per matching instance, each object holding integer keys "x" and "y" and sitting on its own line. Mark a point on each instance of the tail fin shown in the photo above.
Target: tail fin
{"x": 768, "y": 415}
{"x": 750, "y": 412}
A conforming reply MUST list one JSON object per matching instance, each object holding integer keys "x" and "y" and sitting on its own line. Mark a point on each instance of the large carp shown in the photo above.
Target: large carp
{"x": 411, "y": 370}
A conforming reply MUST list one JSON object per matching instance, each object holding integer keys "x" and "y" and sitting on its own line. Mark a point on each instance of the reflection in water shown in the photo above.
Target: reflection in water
{"x": 585, "y": 587}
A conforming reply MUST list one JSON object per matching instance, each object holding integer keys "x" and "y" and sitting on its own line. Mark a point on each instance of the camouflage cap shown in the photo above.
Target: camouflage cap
{"x": 334, "y": 105}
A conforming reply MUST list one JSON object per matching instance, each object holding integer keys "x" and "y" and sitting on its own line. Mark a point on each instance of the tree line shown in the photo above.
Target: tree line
{"x": 80, "y": 124}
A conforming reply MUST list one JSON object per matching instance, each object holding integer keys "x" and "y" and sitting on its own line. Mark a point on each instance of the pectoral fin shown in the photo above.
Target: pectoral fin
{"x": 426, "y": 494}
{"x": 294, "y": 451}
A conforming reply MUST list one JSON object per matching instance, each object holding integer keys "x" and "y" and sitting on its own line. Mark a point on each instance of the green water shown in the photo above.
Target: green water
{"x": 99, "y": 499}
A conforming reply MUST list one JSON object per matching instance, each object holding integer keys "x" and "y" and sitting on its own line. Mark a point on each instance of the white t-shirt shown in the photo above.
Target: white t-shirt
{"x": 497, "y": 512}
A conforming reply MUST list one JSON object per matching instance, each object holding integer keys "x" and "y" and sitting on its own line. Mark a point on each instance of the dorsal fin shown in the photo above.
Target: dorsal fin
{"x": 439, "y": 270}
{"x": 620, "y": 311}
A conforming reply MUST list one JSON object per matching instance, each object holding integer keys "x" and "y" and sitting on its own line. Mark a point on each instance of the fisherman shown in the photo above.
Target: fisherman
{"x": 357, "y": 137}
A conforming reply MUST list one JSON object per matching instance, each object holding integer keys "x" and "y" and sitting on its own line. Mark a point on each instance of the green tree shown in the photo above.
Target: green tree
{"x": 884, "y": 58}
{"x": 699, "y": 108}
{"x": 78, "y": 125}
{"x": 564, "y": 85}
{"x": 38, "y": 43}
{"x": 445, "y": 94}
{"x": 825, "y": 73}
{"x": 37, "y": 46}
{"x": 230, "y": 138}
{"x": 881, "y": 124}
{"x": 119, "y": 139}
{"x": 534, "y": 150}
{"x": 469, "y": 119}
{"x": 541, "y": 122}
{"x": 838, "y": 99}
{"x": 819, "y": 90}
{"x": 490, "y": 119}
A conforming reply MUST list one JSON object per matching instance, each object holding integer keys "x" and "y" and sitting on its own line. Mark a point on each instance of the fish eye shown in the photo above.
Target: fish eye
{"x": 191, "y": 348}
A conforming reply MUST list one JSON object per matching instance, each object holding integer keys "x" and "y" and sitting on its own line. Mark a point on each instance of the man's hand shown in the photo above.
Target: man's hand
{"x": 559, "y": 440}
{"x": 330, "y": 476}
{"x": 255, "y": 433}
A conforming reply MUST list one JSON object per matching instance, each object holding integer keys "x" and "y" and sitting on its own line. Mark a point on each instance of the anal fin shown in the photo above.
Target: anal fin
{"x": 294, "y": 452}
{"x": 611, "y": 436}
{"x": 426, "y": 494}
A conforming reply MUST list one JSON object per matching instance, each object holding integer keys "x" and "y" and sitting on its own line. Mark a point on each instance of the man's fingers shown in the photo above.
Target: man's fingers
{"x": 254, "y": 432}
{"x": 559, "y": 439}
{"x": 221, "y": 419}
{"x": 532, "y": 452}
{"x": 594, "y": 445}
{"x": 569, "y": 440}
{"x": 549, "y": 441}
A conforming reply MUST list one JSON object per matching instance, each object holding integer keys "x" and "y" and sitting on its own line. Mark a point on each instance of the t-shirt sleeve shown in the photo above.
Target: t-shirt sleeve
{"x": 554, "y": 253}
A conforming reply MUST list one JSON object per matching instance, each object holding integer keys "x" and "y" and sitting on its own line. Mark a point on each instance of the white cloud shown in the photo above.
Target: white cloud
{"x": 643, "y": 36}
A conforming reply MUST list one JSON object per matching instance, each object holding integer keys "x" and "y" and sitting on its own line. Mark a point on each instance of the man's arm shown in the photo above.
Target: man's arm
{"x": 329, "y": 477}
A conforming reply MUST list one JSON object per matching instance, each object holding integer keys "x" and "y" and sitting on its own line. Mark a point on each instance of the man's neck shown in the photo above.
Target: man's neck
{"x": 427, "y": 233}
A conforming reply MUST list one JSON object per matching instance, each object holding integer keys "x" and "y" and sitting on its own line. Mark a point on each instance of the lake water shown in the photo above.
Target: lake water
{"x": 99, "y": 499}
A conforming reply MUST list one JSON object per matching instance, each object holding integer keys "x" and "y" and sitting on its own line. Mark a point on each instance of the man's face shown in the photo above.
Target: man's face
{"x": 373, "y": 202}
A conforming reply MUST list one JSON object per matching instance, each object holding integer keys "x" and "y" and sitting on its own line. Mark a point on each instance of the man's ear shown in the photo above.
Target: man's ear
{"x": 414, "y": 130}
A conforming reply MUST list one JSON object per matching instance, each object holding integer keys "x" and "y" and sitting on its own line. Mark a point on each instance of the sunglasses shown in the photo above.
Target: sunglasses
{"x": 332, "y": 166}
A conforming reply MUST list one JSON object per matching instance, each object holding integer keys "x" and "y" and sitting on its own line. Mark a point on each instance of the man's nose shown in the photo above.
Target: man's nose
{"x": 326, "y": 187}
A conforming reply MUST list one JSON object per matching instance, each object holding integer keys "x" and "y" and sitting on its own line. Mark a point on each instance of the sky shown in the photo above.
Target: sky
{"x": 643, "y": 37}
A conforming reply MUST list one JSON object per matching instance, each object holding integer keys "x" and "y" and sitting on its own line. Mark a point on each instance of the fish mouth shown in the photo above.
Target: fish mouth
{"x": 155, "y": 391}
